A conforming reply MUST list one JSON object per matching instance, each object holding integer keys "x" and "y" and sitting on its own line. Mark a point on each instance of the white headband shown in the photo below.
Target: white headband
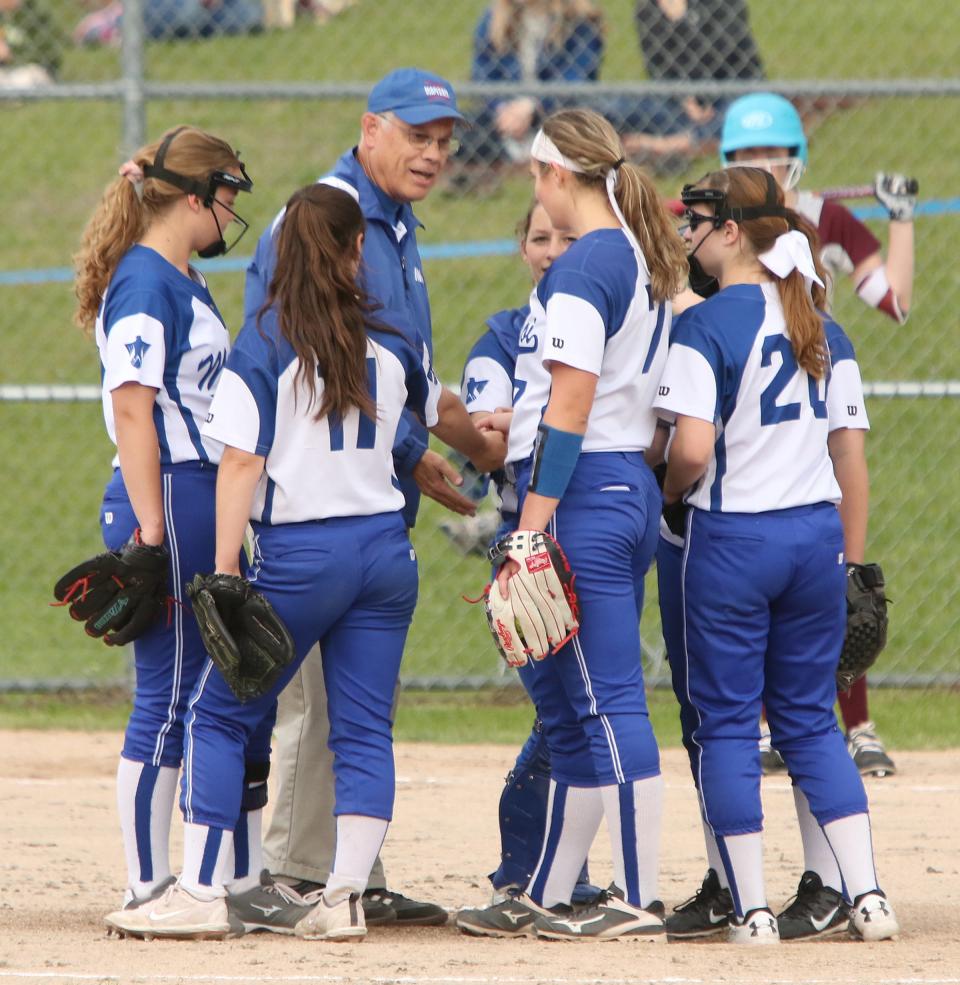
{"x": 547, "y": 152}
{"x": 791, "y": 251}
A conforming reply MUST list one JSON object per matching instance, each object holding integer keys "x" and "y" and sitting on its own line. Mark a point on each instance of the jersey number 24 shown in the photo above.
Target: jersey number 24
{"x": 770, "y": 411}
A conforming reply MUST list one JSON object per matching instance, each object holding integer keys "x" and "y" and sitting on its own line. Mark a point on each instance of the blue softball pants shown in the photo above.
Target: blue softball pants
{"x": 761, "y": 621}
{"x": 349, "y": 583}
{"x": 590, "y": 693}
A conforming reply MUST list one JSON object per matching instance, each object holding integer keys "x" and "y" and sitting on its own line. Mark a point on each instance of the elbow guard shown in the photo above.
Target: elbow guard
{"x": 555, "y": 456}
{"x": 876, "y": 291}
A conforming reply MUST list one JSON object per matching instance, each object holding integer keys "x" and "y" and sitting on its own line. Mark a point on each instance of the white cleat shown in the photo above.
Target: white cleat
{"x": 759, "y": 928}
{"x": 873, "y": 918}
{"x": 341, "y": 922}
{"x": 177, "y": 914}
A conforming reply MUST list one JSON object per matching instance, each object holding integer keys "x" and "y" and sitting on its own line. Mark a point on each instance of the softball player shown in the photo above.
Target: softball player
{"x": 763, "y": 572}
{"x": 818, "y": 909}
{"x": 765, "y": 130}
{"x": 162, "y": 347}
{"x": 308, "y": 409}
{"x": 487, "y": 386}
{"x": 590, "y": 355}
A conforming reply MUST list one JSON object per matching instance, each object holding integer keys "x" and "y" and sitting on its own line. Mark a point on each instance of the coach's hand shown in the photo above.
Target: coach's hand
{"x": 436, "y": 478}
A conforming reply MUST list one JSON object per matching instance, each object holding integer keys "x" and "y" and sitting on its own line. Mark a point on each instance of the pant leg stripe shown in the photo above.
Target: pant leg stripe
{"x": 142, "y": 817}
{"x": 177, "y": 616}
{"x": 188, "y": 744}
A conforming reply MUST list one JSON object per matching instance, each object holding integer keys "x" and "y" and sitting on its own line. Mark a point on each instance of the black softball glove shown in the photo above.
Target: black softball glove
{"x": 118, "y": 594}
{"x": 242, "y": 632}
{"x": 866, "y": 623}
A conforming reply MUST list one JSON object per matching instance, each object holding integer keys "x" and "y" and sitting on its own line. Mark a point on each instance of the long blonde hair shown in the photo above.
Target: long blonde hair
{"x": 506, "y": 16}
{"x": 587, "y": 138}
{"x": 123, "y": 216}
{"x": 746, "y": 187}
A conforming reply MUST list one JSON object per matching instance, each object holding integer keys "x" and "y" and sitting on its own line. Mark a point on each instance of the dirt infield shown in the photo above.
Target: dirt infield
{"x": 62, "y": 869}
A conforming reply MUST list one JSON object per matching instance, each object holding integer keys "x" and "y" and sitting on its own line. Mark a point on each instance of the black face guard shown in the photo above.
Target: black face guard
{"x": 206, "y": 191}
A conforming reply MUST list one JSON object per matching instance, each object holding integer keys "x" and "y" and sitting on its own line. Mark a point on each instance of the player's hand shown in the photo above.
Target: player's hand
{"x": 499, "y": 420}
{"x": 897, "y": 194}
{"x": 436, "y": 478}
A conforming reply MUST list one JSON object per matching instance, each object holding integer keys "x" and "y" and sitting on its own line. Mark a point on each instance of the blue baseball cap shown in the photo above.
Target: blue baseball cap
{"x": 415, "y": 97}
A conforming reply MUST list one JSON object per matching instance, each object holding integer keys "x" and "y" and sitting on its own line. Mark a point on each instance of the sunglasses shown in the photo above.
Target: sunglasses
{"x": 695, "y": 219}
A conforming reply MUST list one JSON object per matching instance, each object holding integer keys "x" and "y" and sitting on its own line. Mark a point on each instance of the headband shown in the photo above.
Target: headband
{"x": 791, "y": 251}
{"x": 547, "y": 152}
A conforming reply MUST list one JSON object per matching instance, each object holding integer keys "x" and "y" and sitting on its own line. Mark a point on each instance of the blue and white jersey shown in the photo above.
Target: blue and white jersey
{"x": 161, "y": 329}
{"x": 846, "y": 407}
{"x": 593, "y": 310}
{"x": 487, "y": 381}
{"x": 318, "y": 469}
{"x": 731, "y": 363}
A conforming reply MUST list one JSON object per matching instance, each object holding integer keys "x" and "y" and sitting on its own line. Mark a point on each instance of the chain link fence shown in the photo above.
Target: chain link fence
{"x": 285, "y": 80}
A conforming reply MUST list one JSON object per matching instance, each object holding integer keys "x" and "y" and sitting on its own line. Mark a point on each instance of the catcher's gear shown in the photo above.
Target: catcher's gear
{"x": 541, "y": 611}
{"x": 898, "y": 194}
{"x": 246, "y": 639}
{"x": 118, "y": 594}
{"x": 866, "y": 623}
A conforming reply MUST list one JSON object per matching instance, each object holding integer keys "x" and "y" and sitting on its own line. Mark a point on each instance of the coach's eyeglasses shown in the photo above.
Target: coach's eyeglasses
{"x": 420, "y": 140}
{"x": 693, "y": 220}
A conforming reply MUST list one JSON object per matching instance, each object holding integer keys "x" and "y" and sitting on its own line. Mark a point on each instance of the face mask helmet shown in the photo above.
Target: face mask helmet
{"x": 206, "y": 191}
{"x": 700, "y": 281}
{"x": 764, "y": 119}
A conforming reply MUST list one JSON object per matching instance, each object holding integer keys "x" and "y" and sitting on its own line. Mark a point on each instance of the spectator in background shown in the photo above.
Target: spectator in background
{"x": 31, "y": 45}
{"x": 525, "y": 41}
{"x": 166, "y": 20}
{"x": 684, "y": 40}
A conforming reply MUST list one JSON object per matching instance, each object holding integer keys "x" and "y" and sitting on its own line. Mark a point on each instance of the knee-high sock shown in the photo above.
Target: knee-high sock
{"x": 817, "y": 854}
{"x": 743, "y": 860}
{"x": 714, "y": 861}
{"x": 247, "y": 852}
{"x": 852, "y": 844}
{"x": 633, "y": 812}
{"x": 359, "y": 840}
{"x": 853, "y": 705}
{"x": 207, "y": 860}
{"x": 573, "y": 816}
{"x": 145, "y": 798}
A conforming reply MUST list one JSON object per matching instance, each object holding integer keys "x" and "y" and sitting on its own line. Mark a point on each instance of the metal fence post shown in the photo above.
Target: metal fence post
{"x": 131, "y": 66}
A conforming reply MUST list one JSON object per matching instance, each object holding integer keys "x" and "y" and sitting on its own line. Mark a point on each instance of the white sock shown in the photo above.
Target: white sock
{"x": 852, "y": 844}
{"x": 359, "y": 840}
{"x": 644, "y": 845}
{"x": 745, "y": 871}
{"x": 714, "y": 861}
{"x": 207, "y": 859}
{"x": 249, "y": 830}
{"x": 817, "y": 855}
{"x": 151, "y": 859}
{"x": 583, "y": 809}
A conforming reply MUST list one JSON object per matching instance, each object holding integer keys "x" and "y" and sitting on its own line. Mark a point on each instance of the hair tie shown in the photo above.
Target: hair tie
{"x": 134, "y": 174}
{"x": 619, "y": 163}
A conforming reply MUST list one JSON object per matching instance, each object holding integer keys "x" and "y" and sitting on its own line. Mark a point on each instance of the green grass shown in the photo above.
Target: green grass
{"x": 60, "y": 155}
{"x": 906, "y": 719}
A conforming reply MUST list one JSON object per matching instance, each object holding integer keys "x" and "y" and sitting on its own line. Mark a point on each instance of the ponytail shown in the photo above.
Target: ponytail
{"x": 588, "y": 139}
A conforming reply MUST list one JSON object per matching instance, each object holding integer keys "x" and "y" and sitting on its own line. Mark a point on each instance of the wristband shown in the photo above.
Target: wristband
{"x": 555, "y": 456}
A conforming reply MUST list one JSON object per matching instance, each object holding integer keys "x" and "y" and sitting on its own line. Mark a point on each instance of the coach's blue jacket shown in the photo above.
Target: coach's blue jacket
{"x": 393, "y": 275}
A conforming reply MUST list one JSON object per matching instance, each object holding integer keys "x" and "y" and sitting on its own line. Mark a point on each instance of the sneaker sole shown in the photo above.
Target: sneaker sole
{"x": 692, "y": 935}
{"x": 640, "y": 936}
{"x": 352, "y": 935}
{"x": 890, "y": 934}
{"x": 437, "y": 920}
{"x": 815, "y": 935}
{"x": 474, "y": 930}
{"x": 213, "y": 933}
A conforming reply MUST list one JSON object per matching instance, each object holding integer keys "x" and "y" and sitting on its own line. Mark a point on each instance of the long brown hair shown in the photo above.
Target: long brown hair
{"x": 749, "y": 187}
{"x": 588, "y": 138}
{"x": 506, "y": 17}
{"x": 321, "y": 309}
{"x": 123, "y": 216}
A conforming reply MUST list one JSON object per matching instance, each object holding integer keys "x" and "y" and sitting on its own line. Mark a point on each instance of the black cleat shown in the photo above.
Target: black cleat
{"x": 706, "y": 913}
